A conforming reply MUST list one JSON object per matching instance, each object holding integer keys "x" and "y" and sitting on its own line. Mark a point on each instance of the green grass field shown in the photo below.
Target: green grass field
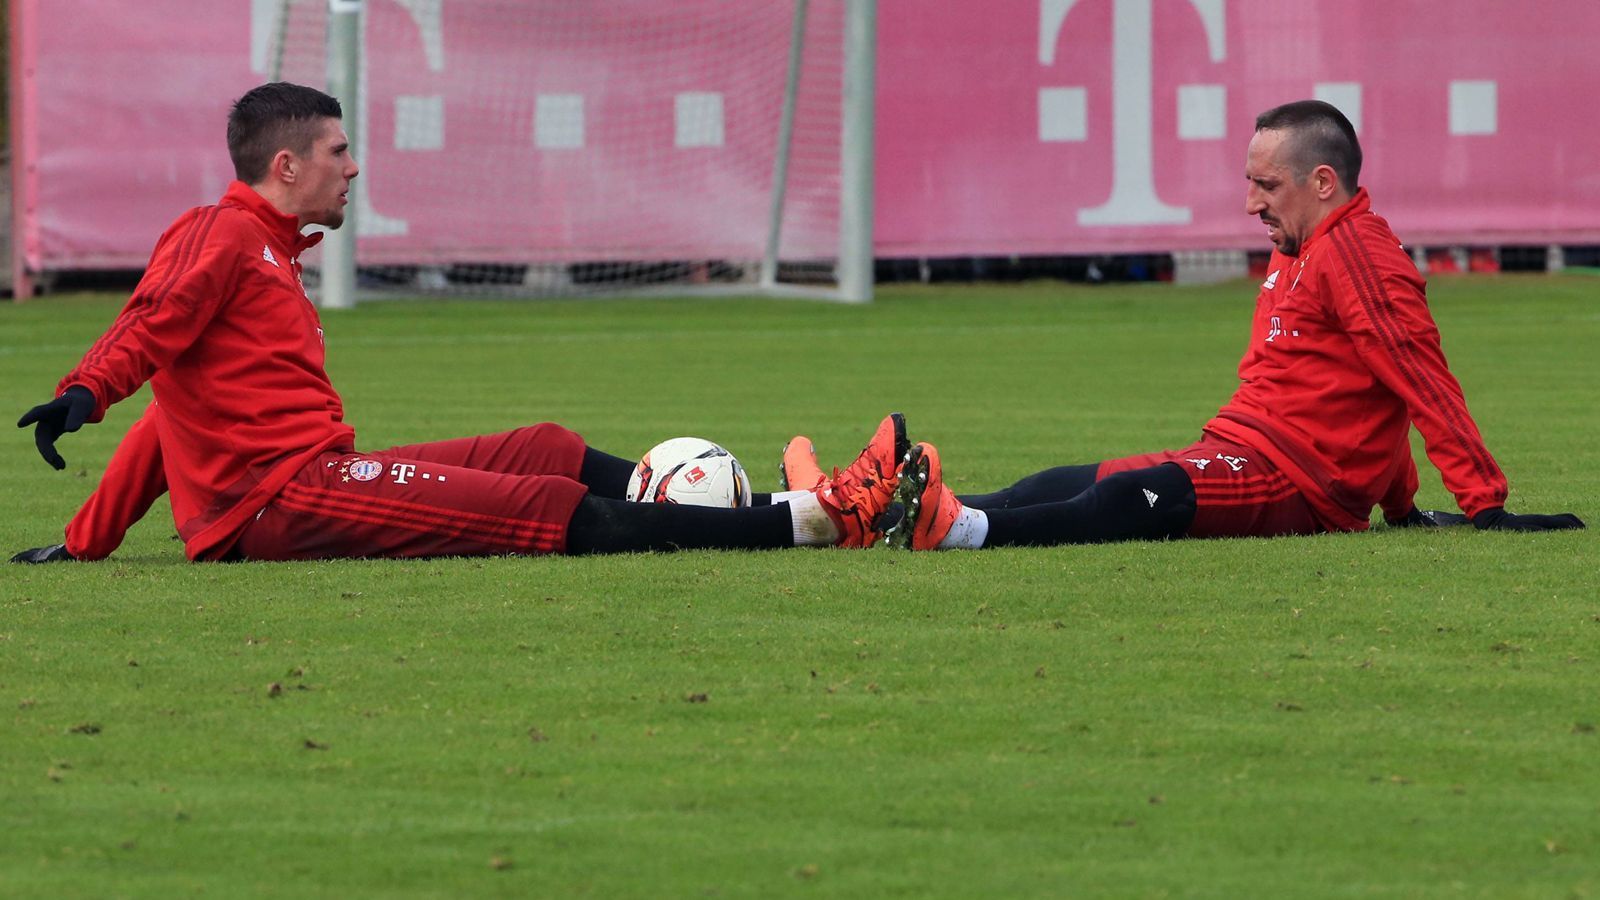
{"x": 1389, "y": 714}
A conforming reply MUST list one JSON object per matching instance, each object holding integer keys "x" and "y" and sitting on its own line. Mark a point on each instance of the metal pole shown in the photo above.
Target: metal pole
{"x": 344, "y": 80}
{"x": 280, "y": 39}
{"x": 855, "y": 202}
{"x": 780, "y": 165}
{"x": 23, "y": 59}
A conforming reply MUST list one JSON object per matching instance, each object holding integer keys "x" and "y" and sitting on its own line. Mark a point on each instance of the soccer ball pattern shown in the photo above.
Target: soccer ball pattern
{"x": 691, "y": 471}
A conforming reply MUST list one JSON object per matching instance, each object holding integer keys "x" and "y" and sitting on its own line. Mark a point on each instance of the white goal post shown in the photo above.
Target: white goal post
{"x": 582, "y": 147}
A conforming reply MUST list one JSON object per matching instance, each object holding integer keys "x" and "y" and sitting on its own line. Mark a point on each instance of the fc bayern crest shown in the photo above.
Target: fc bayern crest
{"x": 365, "y": 469}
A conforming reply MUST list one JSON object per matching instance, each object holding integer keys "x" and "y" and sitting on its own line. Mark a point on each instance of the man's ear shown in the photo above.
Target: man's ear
{"x": 1326, "y": 181}
{"x": 284, "y": 166}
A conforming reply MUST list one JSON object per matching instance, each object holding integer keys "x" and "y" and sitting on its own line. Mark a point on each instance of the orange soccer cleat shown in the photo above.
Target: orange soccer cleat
{"x": 799, "y": 470}
{"x": 860, "y": 499}
{"x": 930, "y": 507}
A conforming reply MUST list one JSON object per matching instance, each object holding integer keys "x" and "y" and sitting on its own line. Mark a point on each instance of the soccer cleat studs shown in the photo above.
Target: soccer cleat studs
{"x": 908, "y": 496}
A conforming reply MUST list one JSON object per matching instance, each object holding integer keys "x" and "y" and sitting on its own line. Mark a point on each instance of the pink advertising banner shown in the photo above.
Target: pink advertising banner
{"x": 1011, "y": 127}
{"x": 1056, "y": 126}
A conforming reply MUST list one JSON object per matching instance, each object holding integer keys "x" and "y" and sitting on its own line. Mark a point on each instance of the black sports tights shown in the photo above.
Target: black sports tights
{"x": 1049, "y": 486}
{"x": 1149, "y": 504}
{"x": 604, "y": 525}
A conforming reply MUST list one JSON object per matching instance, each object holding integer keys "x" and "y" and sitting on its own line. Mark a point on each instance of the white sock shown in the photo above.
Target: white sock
{"x": 812, "y": 526}
{"x": 787, "y": 496}
{"x": 968, "y": 531}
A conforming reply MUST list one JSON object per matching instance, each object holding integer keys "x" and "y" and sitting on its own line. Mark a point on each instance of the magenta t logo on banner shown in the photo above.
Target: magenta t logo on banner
{"x": 1062, "y": 110}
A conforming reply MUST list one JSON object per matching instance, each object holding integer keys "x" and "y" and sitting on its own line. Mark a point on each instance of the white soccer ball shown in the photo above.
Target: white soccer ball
{"x": 692, "y": 471}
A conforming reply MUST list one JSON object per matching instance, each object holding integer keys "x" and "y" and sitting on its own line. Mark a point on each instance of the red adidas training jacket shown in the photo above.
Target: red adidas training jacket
{"x": 1344, "y": 357}
{"x": 232, "y": 347}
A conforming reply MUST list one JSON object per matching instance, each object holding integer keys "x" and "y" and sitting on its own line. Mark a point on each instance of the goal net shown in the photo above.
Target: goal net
{"x": 570, "y": 147}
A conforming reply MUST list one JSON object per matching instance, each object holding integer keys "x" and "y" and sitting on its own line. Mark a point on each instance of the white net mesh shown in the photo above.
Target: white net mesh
{"x": 549, "y": 147}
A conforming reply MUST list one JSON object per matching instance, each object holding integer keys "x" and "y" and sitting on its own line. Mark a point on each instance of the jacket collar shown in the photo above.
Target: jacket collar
{"x": 1355, "y": 206}
{"x": 285, "y": 228}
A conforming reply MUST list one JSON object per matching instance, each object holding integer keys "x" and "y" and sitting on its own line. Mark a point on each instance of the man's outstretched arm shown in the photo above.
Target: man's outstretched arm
{"x": 134, "y": 478}
{"x": 1388, "y": 319}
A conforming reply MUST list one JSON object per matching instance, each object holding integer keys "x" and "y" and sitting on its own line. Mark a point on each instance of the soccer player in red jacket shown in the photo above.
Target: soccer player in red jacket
{"x": 1344, "y": 359}
{"x": 248, "y": 436}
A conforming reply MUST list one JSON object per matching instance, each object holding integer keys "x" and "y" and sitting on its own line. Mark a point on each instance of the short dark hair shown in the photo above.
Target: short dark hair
{"x": 1318, "y": 134}
{"x": 272, "y": 117}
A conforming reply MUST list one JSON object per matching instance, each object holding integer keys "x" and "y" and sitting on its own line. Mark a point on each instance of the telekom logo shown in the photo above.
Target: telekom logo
{"x": 1062, "y": 111}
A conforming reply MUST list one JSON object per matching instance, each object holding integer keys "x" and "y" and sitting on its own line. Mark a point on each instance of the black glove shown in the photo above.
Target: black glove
{"x": 52, "y": 553}
{"x": 1427, "y": 518}
{"x": 1497, "y": 519}
{"x": 65, "y": 413}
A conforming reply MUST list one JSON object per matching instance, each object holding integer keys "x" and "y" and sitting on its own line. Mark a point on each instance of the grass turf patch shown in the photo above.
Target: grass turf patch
{"x": 1385, "y": 714}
